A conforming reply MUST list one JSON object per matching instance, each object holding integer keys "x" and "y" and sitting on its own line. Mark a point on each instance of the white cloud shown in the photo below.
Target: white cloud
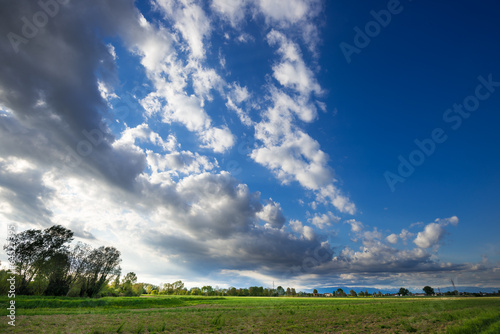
{"x": 324, "y": 220}
{"x": 231, "y": 10}
{"x": 144, "y": 134}
{"x": 292, "y": 72}
{"x": 237, "y": 96}
{"x": 184, "y": 162}
{"x": 287, "y": 12}
{"x": 191, "y": 21}
{"x": 356, "y": 226}
{"x": 272, "y": 214}
{"x": 218, "y": 139}
{"x": 431, "y": 236}
{"x": 392, "y": 238}
{"x": 433, "y": 233}
{"x": 305, "y": 231}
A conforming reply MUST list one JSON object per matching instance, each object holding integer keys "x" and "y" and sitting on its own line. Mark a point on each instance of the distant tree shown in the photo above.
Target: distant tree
{"x": 340, "y": 293}
{"x": 428, "y": 290}
{"x": 404, "y": 292}
{"x": 232, "y": 291}
{"x": 178, "y": 287}
{"x": 361, "y": 294}
{"x": 207, "y": 290}
{"x": 294, "y": 293}
{"x": 131, "y": 278}
{"x": 315, "y": 291}
{"x": 379, "y": 294}
{"x": 280, "y": 290}
{"x": 353, "y": 293}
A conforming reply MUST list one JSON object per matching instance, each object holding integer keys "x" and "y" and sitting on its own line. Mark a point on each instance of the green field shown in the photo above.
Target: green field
{"x": 170, "y": 314}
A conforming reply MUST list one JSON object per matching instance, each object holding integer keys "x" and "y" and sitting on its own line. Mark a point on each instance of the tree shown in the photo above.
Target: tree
{"x": 341, "y": 293}
{"x": 207, "y": 290}
{"x": 128, "y": 283}
{"x": 56, "y": 269}
{"x": 315, "y": 291}
{"x": 428, "y": 290}
{"x": 353, "y": 293}
{"x": 280, "y": 290}
{"x": 178, "y": 286}
{"x": 131, "y": 278}
{"x": 102, "y": 265}
{"x": 404, "y": 292}
{"x": 30, "y": 250}
{"x": 361, "y": 293}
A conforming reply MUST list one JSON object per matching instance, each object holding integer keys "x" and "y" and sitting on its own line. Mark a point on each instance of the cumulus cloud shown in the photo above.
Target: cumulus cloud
{"x": 324, "y": 220}
{"x": 433, "y": 233}
{"x": 272, "y": 214}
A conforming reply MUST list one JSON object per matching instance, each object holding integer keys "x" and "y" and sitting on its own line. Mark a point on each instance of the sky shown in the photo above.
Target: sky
{"x": 311, "y": 144}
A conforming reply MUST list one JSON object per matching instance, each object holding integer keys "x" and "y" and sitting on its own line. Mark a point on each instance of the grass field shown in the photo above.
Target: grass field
{"x": 162, "y": 314}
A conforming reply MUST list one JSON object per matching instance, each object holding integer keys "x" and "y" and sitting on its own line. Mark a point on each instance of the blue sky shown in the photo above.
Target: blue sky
{"x": 251, "y": 141}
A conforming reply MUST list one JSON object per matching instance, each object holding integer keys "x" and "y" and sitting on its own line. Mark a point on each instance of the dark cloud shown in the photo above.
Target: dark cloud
{"x": 49, "y": 83}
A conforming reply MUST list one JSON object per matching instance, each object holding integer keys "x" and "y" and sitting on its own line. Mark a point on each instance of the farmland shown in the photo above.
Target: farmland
{"x": 162, "y": 314}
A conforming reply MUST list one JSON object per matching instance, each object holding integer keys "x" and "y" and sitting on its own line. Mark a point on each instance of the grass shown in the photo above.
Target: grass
{"x": 168, "y": 314}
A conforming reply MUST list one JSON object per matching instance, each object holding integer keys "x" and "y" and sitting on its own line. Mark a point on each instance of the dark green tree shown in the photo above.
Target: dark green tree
{"x": 102, "y": 265}
{"x": 30, "y": 250}
{"x": 428, "y": 290}
{"x": 404, "y": 292}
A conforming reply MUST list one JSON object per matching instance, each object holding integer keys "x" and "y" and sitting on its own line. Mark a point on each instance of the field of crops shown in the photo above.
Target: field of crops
{"x": 162, "y": 314}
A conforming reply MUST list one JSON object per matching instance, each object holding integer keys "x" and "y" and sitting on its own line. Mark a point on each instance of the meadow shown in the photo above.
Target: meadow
{"x": 185, "y": 314}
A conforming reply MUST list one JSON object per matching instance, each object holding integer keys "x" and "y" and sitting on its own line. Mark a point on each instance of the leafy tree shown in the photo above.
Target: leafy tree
{"x": 178, "y": 286}
{"x": 280, "y": 290}
{"x": 341, "y": 293}
{"x": 315, "y": 291}
{"x": 56, "y": 269}
{"x": 131, "y": 278}
{"x": 30, "y": 250}
{"x": 102, "y": 265}
{"x": 207, "y": 290}
{"x": 404, "y": 292}
{"x": 361, "y": 294}
{"x": 128, "y": 283}
{"x": 353, "y": 293}
{"x": 428, "y": 290}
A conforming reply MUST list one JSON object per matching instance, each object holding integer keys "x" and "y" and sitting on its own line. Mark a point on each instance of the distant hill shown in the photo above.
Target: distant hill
{"x": 346, "y": 289}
